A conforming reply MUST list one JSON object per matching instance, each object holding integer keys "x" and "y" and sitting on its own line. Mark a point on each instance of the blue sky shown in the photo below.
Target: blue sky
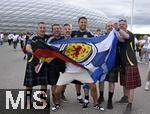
{"x": 116, "y": 9}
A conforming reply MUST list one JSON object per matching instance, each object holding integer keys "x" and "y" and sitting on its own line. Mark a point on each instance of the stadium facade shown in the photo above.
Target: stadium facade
{"x": 23, "y": 15}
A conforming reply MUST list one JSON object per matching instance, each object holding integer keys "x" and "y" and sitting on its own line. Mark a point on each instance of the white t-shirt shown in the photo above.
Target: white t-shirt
{"x": 1, "y": 37}
{"x": 15, "y": 38}
{"x": 70, "y": 68}
{"x": 10, "y": 36}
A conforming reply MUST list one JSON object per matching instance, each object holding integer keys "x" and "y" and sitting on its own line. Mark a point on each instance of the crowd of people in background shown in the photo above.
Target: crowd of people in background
{"x": 142, "y": 46}
{"x": 59, "y": 73}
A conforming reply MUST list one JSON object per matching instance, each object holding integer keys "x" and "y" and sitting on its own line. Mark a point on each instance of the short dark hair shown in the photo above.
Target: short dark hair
{"x": 82, "y": 18}
{"x": 66, "y": 24}
{"x": 41, "y": 23}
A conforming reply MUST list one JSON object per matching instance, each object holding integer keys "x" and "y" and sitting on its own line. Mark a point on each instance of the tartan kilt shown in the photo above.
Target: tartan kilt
{"x": 34, "y": 79}
{"x": 130, "y": 77}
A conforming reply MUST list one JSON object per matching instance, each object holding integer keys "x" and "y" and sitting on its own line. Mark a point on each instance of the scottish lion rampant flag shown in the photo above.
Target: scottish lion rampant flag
{"x": 96, "y": 54}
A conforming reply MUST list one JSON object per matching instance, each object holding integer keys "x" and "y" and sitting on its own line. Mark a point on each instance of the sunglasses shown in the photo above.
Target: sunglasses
{"x": 122, "y": 20}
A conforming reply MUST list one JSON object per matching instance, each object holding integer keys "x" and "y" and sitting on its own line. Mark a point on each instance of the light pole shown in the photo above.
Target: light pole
{"x": 132, "y": 8}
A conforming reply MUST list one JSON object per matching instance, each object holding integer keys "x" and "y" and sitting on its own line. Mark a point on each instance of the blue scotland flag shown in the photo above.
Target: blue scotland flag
{"x": 96, "y": 54}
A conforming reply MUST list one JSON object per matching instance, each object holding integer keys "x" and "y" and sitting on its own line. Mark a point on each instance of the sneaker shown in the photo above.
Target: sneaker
{"x": 100, "y": 100}
{"x": 147, "y": 88}
{"x": 98, "y": 107}
{"x": 128, "y": 107}
{"x": 109, "y": 105}
{"x": 80, "y": 101}
{"x": 55, "y": 107}
{"x": 63, "y": 98}
{"x": 123, "y": 99}
{"x": 85, "y": 103}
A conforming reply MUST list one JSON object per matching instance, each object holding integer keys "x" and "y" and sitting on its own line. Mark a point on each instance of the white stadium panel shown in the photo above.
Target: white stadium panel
{"x": 23, "y": 15}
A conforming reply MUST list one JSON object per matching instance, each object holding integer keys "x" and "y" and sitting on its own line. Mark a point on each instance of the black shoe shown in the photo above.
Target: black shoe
{"x": 123, "y": 99}
{"x": 98, "y": 107}
{"x": 100, "y": 100}
{"x": 109, "y": 105}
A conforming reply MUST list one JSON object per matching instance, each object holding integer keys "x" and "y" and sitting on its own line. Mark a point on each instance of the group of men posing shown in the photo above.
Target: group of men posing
{"x": 58, "y": 73}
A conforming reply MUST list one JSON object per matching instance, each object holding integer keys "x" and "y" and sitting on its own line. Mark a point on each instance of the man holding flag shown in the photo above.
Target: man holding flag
{"x": 82, "y": 32}
{"x": 111, "y": 77}
{"x": 97, "y": 55}
{"x": 74, "y": 72}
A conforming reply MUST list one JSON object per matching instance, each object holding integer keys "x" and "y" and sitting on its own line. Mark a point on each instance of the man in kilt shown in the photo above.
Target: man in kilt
{"x": 31, "y": 77}
{"x": 129, "y": 74}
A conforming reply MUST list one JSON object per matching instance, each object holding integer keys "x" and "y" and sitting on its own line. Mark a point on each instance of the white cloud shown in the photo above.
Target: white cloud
{"x": 116, "y": 9}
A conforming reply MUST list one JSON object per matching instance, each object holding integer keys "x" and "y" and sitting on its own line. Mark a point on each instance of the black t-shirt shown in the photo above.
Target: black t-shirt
{"x": 35, "y": 41}
{"x": 126, "y": 51}
{"x": 35, "y": 44}
{"x": 85, "y": 34}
